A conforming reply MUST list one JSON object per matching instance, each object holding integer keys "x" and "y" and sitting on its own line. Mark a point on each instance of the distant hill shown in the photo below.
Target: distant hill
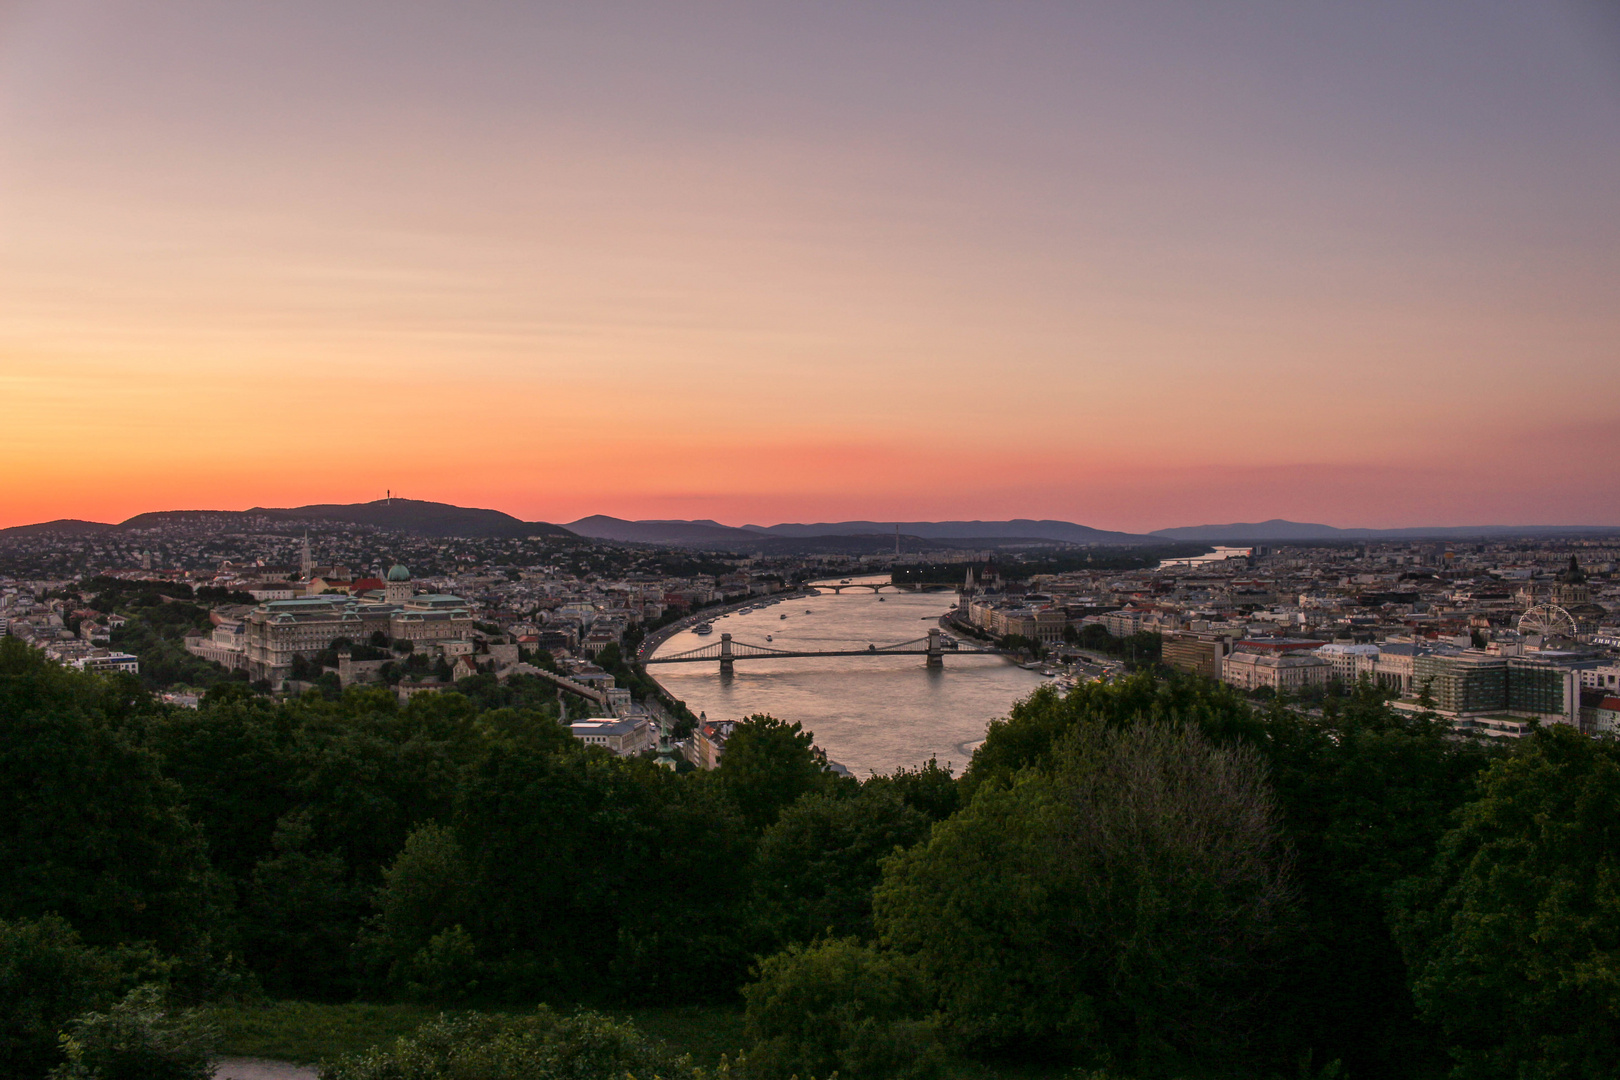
{"x": 1275, "y": 529}
{"x": 602, "y": 527}
{"x": 1278, "y": 529}
{"x": 1015, "y": 529}
{"x": 852, "y": 535}
{"x": 59, "y": 527}
{"x": 411, "y": 516}
{"x": 422, "y": 518}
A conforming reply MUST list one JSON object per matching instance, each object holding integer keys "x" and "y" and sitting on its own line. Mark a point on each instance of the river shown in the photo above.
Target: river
{"x": 869, "y": 715}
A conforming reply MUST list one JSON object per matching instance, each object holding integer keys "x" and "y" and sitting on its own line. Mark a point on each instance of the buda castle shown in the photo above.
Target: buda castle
{"x": 278, "y": 630}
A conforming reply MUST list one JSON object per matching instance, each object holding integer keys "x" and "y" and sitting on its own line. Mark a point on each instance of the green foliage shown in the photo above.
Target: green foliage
{"x": 307, "y": 1032}
{"x": 464, "y": 848}
{"x": 156, "y": 633}
{"x": 595, "y": 873}
{"x": 528, "y": 692}
{"x": 1127, "y": 903}
{"x": 929, "y": 789}
{"x": 47, "y": 976}
{"x": 299, "y": 915}
{"x": 1020, "y": 643}
{"x": 1365, "y": 794}
{"x": 1038, "y": 723}
{"x": 139, "y": 1038}
{"x": 1143, "y": 648}
{"x": 767, "y": 765}
{"x": 818, "y": 863}
{"x": 611, "y": 660}
{"x": 210, "y": 594}
{"x": 419, "y": 944}
{"x": 538, "y": 1046}
{"x": 1513, "y": 933}
{"x": 89, "y": 827}
{"x": 840, "y": 1007}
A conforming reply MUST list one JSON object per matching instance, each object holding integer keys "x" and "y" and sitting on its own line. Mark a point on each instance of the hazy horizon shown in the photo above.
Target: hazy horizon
{"x": 1132, "y": 266}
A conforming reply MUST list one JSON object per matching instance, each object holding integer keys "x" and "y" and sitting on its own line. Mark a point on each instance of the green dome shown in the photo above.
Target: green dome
{"x": 399, "y": 573}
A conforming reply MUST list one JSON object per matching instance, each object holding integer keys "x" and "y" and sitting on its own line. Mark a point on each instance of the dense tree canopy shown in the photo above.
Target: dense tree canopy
{"x": 1151, "y": 873}
{"x": 1513, "y": 933}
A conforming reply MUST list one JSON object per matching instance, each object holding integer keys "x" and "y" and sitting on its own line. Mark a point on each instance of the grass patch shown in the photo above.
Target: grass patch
{"x": 704, "y": 1031}
{"x": 305, "y": 1032}
{"x": 308, "y": 1032}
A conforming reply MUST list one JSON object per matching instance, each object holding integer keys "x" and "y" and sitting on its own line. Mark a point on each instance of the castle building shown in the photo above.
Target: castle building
{"x": 277, "y": 631}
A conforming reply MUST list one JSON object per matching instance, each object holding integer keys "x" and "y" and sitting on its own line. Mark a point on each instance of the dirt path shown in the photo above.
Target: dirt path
{"x": 261, "y": 1069}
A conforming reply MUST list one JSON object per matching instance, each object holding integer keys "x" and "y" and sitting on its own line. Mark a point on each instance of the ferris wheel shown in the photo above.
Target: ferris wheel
{"x": 1548, "y": 620}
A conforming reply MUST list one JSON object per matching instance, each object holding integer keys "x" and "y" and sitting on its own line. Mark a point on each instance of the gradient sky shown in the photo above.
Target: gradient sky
{"x": 1131, "y": 264}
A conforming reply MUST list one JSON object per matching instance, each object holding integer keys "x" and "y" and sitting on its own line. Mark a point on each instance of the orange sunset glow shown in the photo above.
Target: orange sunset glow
{"x": 1135, "y": 266}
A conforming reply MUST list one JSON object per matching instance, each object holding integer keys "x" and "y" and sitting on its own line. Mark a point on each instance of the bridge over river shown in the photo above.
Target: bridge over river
{"x": 728, "y": 652}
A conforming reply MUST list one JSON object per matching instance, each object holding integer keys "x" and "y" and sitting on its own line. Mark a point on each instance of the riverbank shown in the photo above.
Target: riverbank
{"x": 650, "y": 644}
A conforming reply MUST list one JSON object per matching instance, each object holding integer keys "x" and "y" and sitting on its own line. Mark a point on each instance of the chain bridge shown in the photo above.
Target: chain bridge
{"x": 728, "y": 652}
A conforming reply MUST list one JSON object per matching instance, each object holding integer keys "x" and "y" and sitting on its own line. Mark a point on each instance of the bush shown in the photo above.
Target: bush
{"x": 538, "y": 1046}
{"x": 840, "y": 1007}
{"x": 47, "y": 976}
{"x": 139, "y": 1039}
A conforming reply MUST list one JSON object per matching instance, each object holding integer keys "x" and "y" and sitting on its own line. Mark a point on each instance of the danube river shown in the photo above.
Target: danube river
{"x": 869, "y": 715}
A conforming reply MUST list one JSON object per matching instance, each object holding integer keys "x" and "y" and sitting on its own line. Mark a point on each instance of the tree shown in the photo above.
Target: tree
{"x": 1037, "y": 724}
{"x": 89, "y": 827}
{"x": 767, "y": 765}
{"x": 300, "y": 912}
{"x": 424, "y": 895}
{"x": 1132, "y": 900}
{"x": 817, "y": 865}
{"x": 1513, "y": 934}
{"x": 930, "y": 789}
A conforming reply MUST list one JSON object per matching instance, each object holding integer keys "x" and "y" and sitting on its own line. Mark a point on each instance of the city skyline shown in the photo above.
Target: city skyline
{"x": 1136, "y": 268}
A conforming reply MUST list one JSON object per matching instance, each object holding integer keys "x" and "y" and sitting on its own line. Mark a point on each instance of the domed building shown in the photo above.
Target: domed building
{"x": 1574, "y": 595}
{"x": 397, "y": 589}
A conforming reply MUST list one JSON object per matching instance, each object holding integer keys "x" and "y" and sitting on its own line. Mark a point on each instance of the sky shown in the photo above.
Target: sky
{"x": 1133, "y": 265}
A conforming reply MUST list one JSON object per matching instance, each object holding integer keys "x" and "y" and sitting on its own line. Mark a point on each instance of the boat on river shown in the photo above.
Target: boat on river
{"x": 703, "y": 628}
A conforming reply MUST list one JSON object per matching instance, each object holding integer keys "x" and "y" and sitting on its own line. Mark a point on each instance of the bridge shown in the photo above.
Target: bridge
{"x": 875, "y": 586}
{"x": 728, "y": 652}
{"x": 879, "y": 586}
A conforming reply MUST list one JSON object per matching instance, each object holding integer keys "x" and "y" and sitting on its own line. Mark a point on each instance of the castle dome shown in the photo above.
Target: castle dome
{"x": 398, "y": 573}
